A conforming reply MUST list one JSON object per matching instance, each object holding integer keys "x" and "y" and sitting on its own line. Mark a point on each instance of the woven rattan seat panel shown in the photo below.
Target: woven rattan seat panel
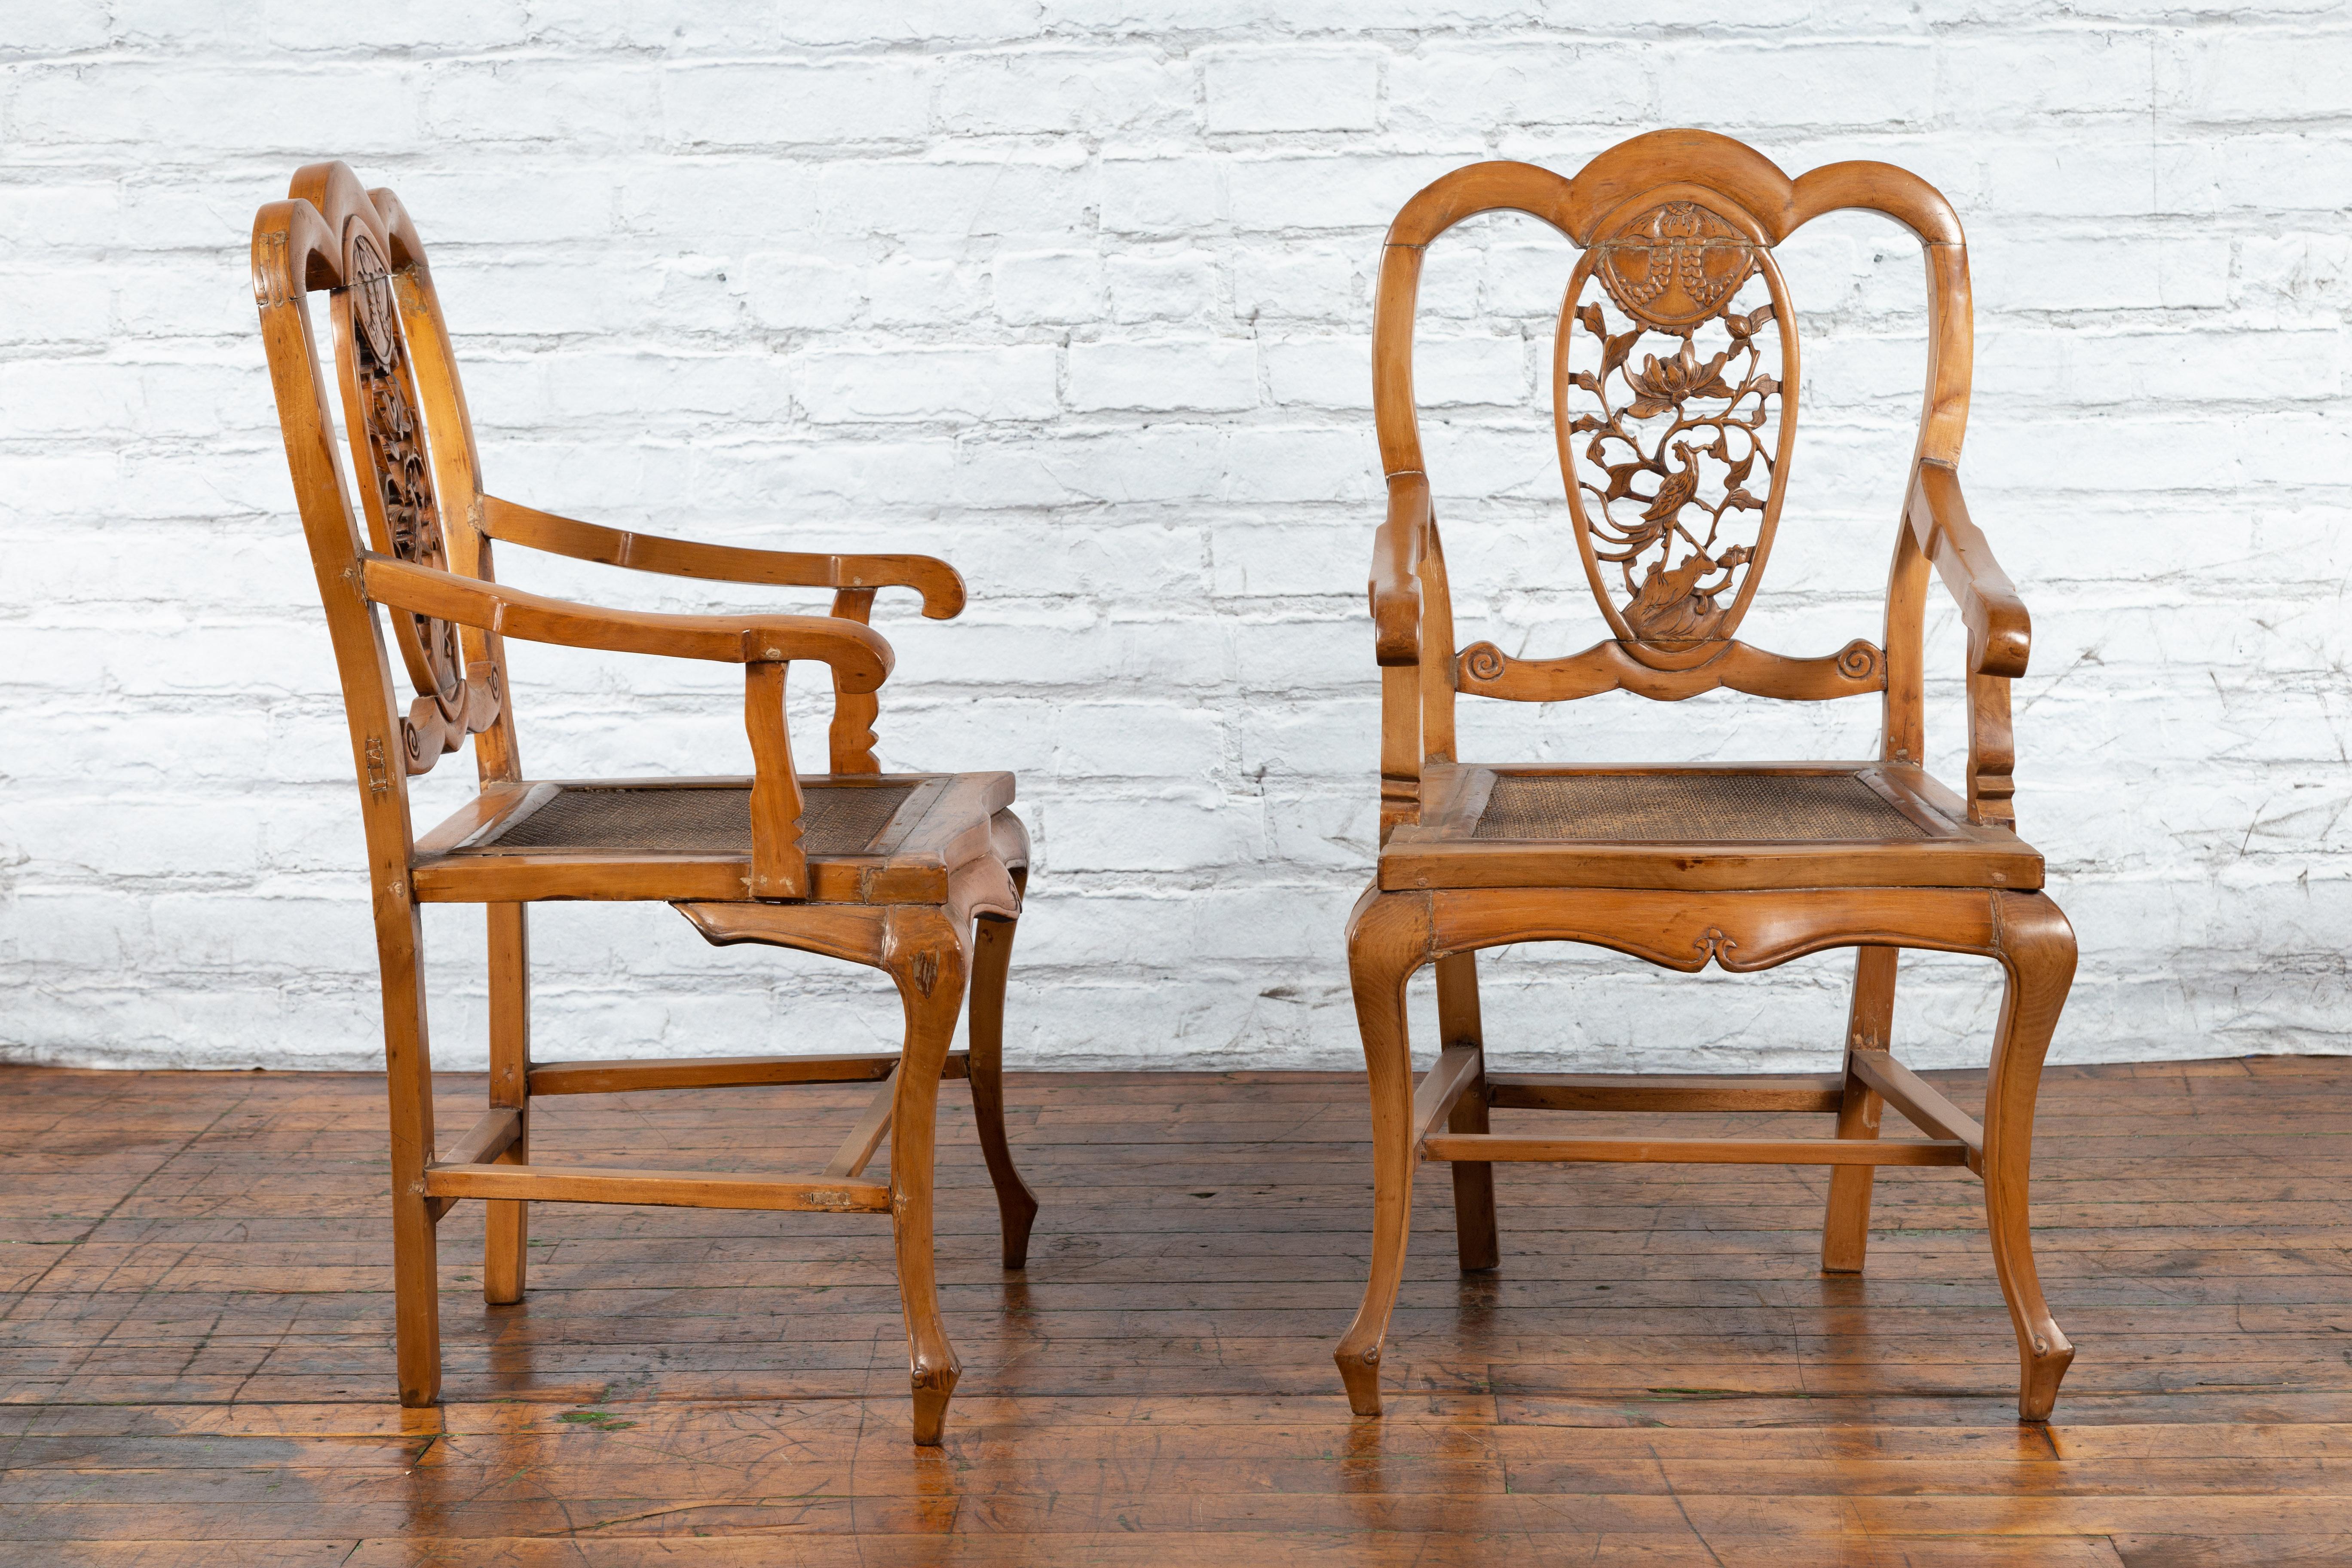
{"x": 1690, "y": 807}
{"x": 835, "y": 819}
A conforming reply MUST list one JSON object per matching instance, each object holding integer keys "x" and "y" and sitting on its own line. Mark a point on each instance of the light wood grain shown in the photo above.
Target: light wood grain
{"x": 682, "y": 1189}
{"x": 1699, "y": 1150}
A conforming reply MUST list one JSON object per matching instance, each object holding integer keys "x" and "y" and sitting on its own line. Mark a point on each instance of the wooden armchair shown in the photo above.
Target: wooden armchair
{"x": 1674, "y": 384}
{"x": 918, "y": 875}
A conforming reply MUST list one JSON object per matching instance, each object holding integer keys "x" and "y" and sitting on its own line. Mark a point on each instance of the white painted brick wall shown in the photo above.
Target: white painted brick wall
{"x": 1077, "y": 295}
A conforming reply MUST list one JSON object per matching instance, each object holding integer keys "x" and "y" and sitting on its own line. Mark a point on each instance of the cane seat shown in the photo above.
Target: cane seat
{"x": 1721, "y": 827}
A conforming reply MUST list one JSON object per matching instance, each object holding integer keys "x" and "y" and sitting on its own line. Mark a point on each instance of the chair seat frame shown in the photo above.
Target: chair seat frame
{"x": 932, "y": 902}
{"x": 1968, "y": 885}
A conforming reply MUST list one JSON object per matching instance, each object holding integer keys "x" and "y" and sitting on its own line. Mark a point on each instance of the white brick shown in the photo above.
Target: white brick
{"x": 1199, "y": 374}
{"x": 848, "y": 102}
{"x": 1273, "y": 194}
{"x": 1455, "y": 371}
{"x": 55, "y": 28}
{"x": 1733, "y": 85}
{"x": 1161, "y": 195}
{"x": 1443, "y": 86}
{"x": 1292, "y": 89}
{"x": 1037, "y": 286}
{"x": 1321, "y": 372}
{"x": 2068, "y": 73}
{"x": 926, "y": 383}
{"x": 1047, "y": 192}
{"x": 2293, "y": 173}
{"x": 556, "y": 104}
{"x": 2254, "y": 73}
{"x": 788, "y": 289}
{"x": 1098, "y": 835}
{"x": 1094, "y": 91}
{"x": 58, "y": 307}
{"x": 245, "y": 108}
{"x": 1310, "y": 285}
{"x": 1165, "y": 287}
{"x": 430, "y": 24}
{"x": 2302, "y": 268}
{"x": 922, "y": 290}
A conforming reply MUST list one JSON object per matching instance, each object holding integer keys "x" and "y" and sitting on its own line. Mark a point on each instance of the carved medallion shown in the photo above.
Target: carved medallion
{"x": 1672, "y": 435}
{"x": 407, "y": 518}
{"x": 1674, "y": 265}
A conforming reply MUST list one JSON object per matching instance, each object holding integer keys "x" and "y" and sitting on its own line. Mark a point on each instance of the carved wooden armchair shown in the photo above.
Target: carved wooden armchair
{"x": 1674, "y": 384}
{"x": 918, "y": 875}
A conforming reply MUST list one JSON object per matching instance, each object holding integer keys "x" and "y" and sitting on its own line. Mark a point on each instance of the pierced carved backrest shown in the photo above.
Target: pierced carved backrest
{"x": 1675, "y": 399}
{"x": 403, "y": 423}
{"x": 388, "y": 452}
{"x": 392, "y": 365}
{"x": 1674, "y": 380}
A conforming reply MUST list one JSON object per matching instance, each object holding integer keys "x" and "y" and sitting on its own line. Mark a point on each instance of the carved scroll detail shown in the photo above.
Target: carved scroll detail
{"x": 1714, "y": 944}
{"x": 1482, "y": 670}
{"x": 1672, "y": 457}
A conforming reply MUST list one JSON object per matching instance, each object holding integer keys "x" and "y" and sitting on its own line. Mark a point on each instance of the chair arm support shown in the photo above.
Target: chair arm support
{"x": 779, "y": 857}
{"x": 941, "y": 588}
{"x": 859, "y": 658}
{"x": 1396, "y": 567}
{"x": 2000, "y": 634}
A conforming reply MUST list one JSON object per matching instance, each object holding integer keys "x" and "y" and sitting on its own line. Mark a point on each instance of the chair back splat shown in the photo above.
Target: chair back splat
{"x": 1674, "y": 379}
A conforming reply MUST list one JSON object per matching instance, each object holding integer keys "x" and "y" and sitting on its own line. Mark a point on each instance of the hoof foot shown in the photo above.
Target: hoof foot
{"x": 1361, "y": 1371}
{"x": 2037, "y": 1388}
{"x": 932, "y": 1391}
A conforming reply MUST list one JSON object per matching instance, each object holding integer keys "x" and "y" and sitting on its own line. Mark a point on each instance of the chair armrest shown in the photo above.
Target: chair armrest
{"x": 764, "y": 645}
{"x": 2000, "y": 634}
{"x": 941, "y": 588}
{"x": 860, "y": 659}
{"x": 1396, "y": 567}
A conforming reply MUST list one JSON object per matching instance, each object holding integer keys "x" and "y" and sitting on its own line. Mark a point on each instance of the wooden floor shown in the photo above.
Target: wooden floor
{"x": 198, "y": 1365}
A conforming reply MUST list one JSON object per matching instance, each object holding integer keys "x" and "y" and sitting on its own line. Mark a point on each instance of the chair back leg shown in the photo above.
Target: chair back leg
{"x": 1474, "y": 1180}
{"x": 992, "y": 959}
{"x": 506, "y": 1222}
{"x": 408, "y": 1080}
{"x": 1845, "y": 1228}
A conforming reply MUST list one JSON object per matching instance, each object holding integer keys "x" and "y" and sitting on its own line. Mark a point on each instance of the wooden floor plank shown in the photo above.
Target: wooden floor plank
{"x": 195, "y": 1357}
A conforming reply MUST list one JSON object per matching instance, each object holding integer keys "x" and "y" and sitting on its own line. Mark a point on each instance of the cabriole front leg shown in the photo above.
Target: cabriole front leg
{"x": 1387, "y": 940}
{"x": 925, "y": 956}
{"x": 2036, "y": 950}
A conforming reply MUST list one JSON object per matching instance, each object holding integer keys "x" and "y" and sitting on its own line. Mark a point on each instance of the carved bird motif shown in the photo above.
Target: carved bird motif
{"x": 1675, "y": 488}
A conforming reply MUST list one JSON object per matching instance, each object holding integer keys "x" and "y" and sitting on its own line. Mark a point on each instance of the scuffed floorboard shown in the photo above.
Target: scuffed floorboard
{"x": 196, "y": 1359}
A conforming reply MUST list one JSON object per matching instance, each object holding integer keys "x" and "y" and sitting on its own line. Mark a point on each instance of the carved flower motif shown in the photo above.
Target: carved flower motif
{"x": 1661, "y": 385}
